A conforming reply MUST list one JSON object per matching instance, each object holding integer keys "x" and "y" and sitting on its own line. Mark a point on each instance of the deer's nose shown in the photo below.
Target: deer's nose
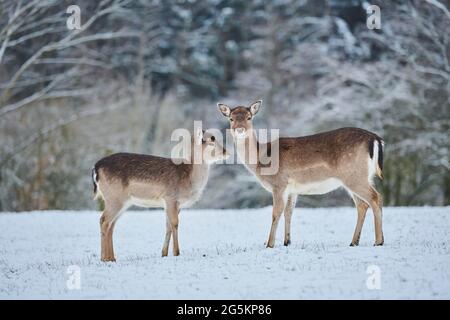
{"x": 240, "y": 131}
{"x": 225, "y": 153}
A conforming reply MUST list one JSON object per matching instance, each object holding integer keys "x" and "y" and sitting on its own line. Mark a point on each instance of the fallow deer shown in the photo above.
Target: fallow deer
{"x": 125, "y": 179}
{"x": 315, "y": 164}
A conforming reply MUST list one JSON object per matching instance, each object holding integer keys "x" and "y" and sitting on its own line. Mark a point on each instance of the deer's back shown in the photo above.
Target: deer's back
{"x": 140, "y": 167}
{"x": 327, "y": 146}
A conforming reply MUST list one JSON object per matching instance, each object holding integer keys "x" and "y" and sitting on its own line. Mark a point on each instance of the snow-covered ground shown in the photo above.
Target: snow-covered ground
{"x": 223, "y": 256}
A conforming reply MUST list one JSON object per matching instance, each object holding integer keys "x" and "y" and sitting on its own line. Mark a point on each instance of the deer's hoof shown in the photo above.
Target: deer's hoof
{"x": 109, "y": 259}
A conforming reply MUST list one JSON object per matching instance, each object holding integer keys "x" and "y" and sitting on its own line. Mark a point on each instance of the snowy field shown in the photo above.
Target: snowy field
{"x": 223, "y": 256}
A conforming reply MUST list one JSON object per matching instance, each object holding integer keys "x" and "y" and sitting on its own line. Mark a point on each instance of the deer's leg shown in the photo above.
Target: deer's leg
{"x": 109, "y": 243}
{"x": 165, "y": 249}
{"x": 103, "y": 223}
{"x": 172, "y": 210}
{"x": 107, "y": 222}
{"x": 376, "y": 205}
{"x": 361, "y": 207}
{"x": 290, "y": 205}
{"x": 278, "y": 207}
{"x": 368, "y": 194}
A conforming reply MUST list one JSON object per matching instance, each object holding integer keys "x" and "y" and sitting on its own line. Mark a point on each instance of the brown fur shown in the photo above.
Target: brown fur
{"x": 125, "y": 179}
{"x": 310, "y": 165}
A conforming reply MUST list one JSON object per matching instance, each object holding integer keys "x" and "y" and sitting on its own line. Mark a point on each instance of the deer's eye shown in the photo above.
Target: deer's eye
{"x": 249, "y": 118}
{"x": 231, "y": 120}
{"x": 213, "y": 138}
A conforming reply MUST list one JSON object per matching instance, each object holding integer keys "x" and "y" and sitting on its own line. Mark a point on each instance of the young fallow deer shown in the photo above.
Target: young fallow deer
{"x": 125, "y": 179}
{"x": 315, "y": 164}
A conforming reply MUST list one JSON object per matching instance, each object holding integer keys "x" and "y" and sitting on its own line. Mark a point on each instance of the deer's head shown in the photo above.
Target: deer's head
{"x": 211, "y": 149}
{"x": 240, "y": 118}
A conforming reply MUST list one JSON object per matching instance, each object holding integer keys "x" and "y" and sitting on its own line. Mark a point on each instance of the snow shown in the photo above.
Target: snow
{"x": 223, "y": 256}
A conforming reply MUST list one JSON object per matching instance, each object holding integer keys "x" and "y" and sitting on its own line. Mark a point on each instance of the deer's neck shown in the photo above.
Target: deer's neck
{"x": 247, "y": 151}
{"x": 199, "y": 176}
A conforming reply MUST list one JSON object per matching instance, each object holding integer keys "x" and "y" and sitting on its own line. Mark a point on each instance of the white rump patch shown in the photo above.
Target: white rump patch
{"x": 320, "y": 187}
{"x": 99, "y": 191}
{"x": 372, "y": 163}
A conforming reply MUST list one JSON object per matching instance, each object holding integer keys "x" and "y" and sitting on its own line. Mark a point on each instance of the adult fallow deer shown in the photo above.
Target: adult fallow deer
{"x": 315, "y": 164}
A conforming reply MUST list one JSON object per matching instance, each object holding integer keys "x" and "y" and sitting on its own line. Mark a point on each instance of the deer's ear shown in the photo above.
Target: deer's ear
{"x": 199, "y": 136}
{"x": 255, "y": 106}
{"x": 226, "y": 111}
